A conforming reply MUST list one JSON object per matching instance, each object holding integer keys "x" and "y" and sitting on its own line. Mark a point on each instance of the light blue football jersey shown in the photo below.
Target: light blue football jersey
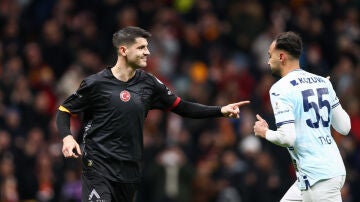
{"x": 307, "y": 100}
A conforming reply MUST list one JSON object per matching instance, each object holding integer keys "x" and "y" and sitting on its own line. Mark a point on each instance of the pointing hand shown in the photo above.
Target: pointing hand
{"x": 232, "y": 110}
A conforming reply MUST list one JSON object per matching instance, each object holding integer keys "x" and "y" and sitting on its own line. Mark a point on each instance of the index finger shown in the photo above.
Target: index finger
{"x": 259, "y": 117}
{"x": 242, "y": 103}
{"x": 78, "y": 150}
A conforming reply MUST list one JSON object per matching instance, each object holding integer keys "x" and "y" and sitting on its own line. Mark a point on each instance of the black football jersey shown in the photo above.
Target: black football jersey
{"x": 114, "y": 113}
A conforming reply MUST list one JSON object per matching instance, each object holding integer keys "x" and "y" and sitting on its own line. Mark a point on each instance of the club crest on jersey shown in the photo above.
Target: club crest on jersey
{"x": 125, "y": 96}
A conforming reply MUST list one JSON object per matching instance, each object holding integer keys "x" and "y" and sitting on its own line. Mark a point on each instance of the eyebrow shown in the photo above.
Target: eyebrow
{"x": 142, "y": 46}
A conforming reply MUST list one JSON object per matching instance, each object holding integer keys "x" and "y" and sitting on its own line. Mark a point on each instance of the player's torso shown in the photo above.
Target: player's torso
{"x": 114, "y": 96}
{"x": 312, "y": 106}
{"x": 114, "y": 122}
{"x": 315, "y": 152}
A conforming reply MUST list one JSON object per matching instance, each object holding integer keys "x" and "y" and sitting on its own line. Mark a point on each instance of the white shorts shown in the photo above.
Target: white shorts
{"x": 324, "y": 190}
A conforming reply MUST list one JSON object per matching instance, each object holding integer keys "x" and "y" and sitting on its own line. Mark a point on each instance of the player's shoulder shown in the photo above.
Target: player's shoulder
{"x": 287, "y": 83}
{"x": 297, "y": 78}
{"x": 98, "y": 77}
{"x": 305, "y": 77}
{"x": 282, "y": 85}
{"x": 144, "y": 74}
{"x": 149, "y": 77}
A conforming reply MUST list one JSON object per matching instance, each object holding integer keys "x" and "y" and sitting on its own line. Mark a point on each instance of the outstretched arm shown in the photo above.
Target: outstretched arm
{"x": 196, "y": 110}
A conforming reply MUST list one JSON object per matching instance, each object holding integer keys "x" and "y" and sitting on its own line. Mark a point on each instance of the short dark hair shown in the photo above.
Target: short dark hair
{"x": 127, "y": 36}
{"x": 289, "y": 42}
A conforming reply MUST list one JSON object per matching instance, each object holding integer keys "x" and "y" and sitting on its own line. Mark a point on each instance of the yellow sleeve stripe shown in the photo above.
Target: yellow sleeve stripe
{"x": 63, "y": 109}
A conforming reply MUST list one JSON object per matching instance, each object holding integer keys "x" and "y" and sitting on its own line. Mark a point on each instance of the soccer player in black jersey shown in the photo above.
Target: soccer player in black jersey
{"x": 115, "y": 102}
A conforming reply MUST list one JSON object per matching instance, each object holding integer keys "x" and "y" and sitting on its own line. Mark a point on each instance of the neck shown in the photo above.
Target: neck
{"x": 289, "y": 67}
{"x": 122, "y": 72}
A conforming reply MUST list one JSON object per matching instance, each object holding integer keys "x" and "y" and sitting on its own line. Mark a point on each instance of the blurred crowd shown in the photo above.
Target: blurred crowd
{"x": 208, "y": 51}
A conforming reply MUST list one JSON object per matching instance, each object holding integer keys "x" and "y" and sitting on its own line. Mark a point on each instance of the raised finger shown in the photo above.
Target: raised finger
{"x": 239, "y": 104}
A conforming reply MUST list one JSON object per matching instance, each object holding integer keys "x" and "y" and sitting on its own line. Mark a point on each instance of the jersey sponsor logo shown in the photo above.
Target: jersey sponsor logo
{"x": 125, "y": 96}
{"x": 282, "y": 112}
{"x": 275, "y": 94}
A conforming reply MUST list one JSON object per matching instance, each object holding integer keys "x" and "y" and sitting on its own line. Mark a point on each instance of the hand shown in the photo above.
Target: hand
{"x": 232, "y": 110}
{"x": 260, "y": 127}
{"x": 69, "y": 144}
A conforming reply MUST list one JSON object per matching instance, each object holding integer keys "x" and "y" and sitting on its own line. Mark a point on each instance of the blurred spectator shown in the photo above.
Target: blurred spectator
{"x": 8, "y": 185}
{"x": 71, "y": 189}
{"x": 171, "y": 176}
{"x": 56, "y": 51}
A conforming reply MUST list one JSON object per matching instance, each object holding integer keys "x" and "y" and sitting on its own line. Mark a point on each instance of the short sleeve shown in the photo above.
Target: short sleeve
{"x": 334, "y": 100}
{"x": 164, "y": 98}
{"x": 282, "y": 106}
{"x": 80, "y": 100}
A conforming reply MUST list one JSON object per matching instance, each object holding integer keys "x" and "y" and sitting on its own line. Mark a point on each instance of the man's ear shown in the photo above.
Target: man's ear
{"x": 122, "y": 50}
{"x": 282, "y": 57}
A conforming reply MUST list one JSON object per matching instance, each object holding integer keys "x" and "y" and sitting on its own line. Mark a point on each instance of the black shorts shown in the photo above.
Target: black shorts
{"x": 96, "y": 188}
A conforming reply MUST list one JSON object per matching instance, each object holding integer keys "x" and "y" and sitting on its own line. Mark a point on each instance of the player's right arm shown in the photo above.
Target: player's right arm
{"x": 282, "y": 104}
{"x": 70, "y": 147}
{"x": 75, "y": 103}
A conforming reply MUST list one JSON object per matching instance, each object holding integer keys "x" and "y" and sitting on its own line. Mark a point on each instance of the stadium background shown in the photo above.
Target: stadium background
{"x": 208, "y": 51}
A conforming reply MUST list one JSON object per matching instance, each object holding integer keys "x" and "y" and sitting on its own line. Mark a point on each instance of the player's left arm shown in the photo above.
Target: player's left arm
{"x": 340, "y": 120}
{"x": 166, "y": 99}
{"x": 196, "y": 110}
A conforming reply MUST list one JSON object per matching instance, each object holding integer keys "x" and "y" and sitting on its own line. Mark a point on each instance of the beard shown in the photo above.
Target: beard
{"x": 276, "y": 75}
{"x": 275, "y": 72}
{"x": 137, "y": 64}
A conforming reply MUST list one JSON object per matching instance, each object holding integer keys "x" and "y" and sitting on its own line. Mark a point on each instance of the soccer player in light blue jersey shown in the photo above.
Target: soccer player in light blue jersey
{"x": 305, "y": 106}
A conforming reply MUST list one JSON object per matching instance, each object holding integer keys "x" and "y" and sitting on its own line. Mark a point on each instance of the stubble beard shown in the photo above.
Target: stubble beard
{"x": 275, "y": 73}
{"x": 138, "y": 64}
